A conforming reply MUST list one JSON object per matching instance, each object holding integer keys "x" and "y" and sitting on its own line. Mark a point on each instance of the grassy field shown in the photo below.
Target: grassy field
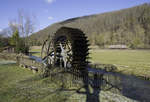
{"x": 21, "y": 85}
{"x": 36, "y": 52}
{"x": 135, "y": 62}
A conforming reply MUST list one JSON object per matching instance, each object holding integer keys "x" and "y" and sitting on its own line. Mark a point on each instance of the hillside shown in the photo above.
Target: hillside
{"x": 128, "y": 26}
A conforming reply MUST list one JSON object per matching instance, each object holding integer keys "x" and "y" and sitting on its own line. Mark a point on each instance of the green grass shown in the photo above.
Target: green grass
{"x": 21, "y": 85}
{"x": 36, "y": 52}
{"x": 135, "y": 62}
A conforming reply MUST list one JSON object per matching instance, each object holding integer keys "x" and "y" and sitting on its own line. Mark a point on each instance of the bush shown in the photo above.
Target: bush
{"x": 19, "y": 43}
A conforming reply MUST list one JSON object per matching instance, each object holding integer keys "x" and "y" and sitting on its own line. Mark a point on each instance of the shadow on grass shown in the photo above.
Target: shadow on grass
{"x": 129, "y": 86}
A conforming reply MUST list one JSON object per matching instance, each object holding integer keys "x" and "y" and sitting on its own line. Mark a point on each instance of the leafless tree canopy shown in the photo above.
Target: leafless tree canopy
{"x": 24, "y": 23}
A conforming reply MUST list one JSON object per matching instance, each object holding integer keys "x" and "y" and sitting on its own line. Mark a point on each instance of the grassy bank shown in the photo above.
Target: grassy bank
{"x": 21, "y": 85}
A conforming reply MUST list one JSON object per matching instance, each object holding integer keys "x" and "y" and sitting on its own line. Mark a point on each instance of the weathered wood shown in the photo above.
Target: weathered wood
{"x": 29, "y": 62}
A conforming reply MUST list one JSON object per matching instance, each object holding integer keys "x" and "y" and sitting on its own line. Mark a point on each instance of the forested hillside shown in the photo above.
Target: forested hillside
{"x": 129, "y": 27}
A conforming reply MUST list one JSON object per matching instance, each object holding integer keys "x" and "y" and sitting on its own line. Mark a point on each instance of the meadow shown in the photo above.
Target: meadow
{"x": 136, "y": 62}
{"x": 21, "y": 85}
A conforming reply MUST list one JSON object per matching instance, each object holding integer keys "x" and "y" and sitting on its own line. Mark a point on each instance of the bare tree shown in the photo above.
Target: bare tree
{"x": 13, "y": 26}
{"x": 25, "y": 24}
